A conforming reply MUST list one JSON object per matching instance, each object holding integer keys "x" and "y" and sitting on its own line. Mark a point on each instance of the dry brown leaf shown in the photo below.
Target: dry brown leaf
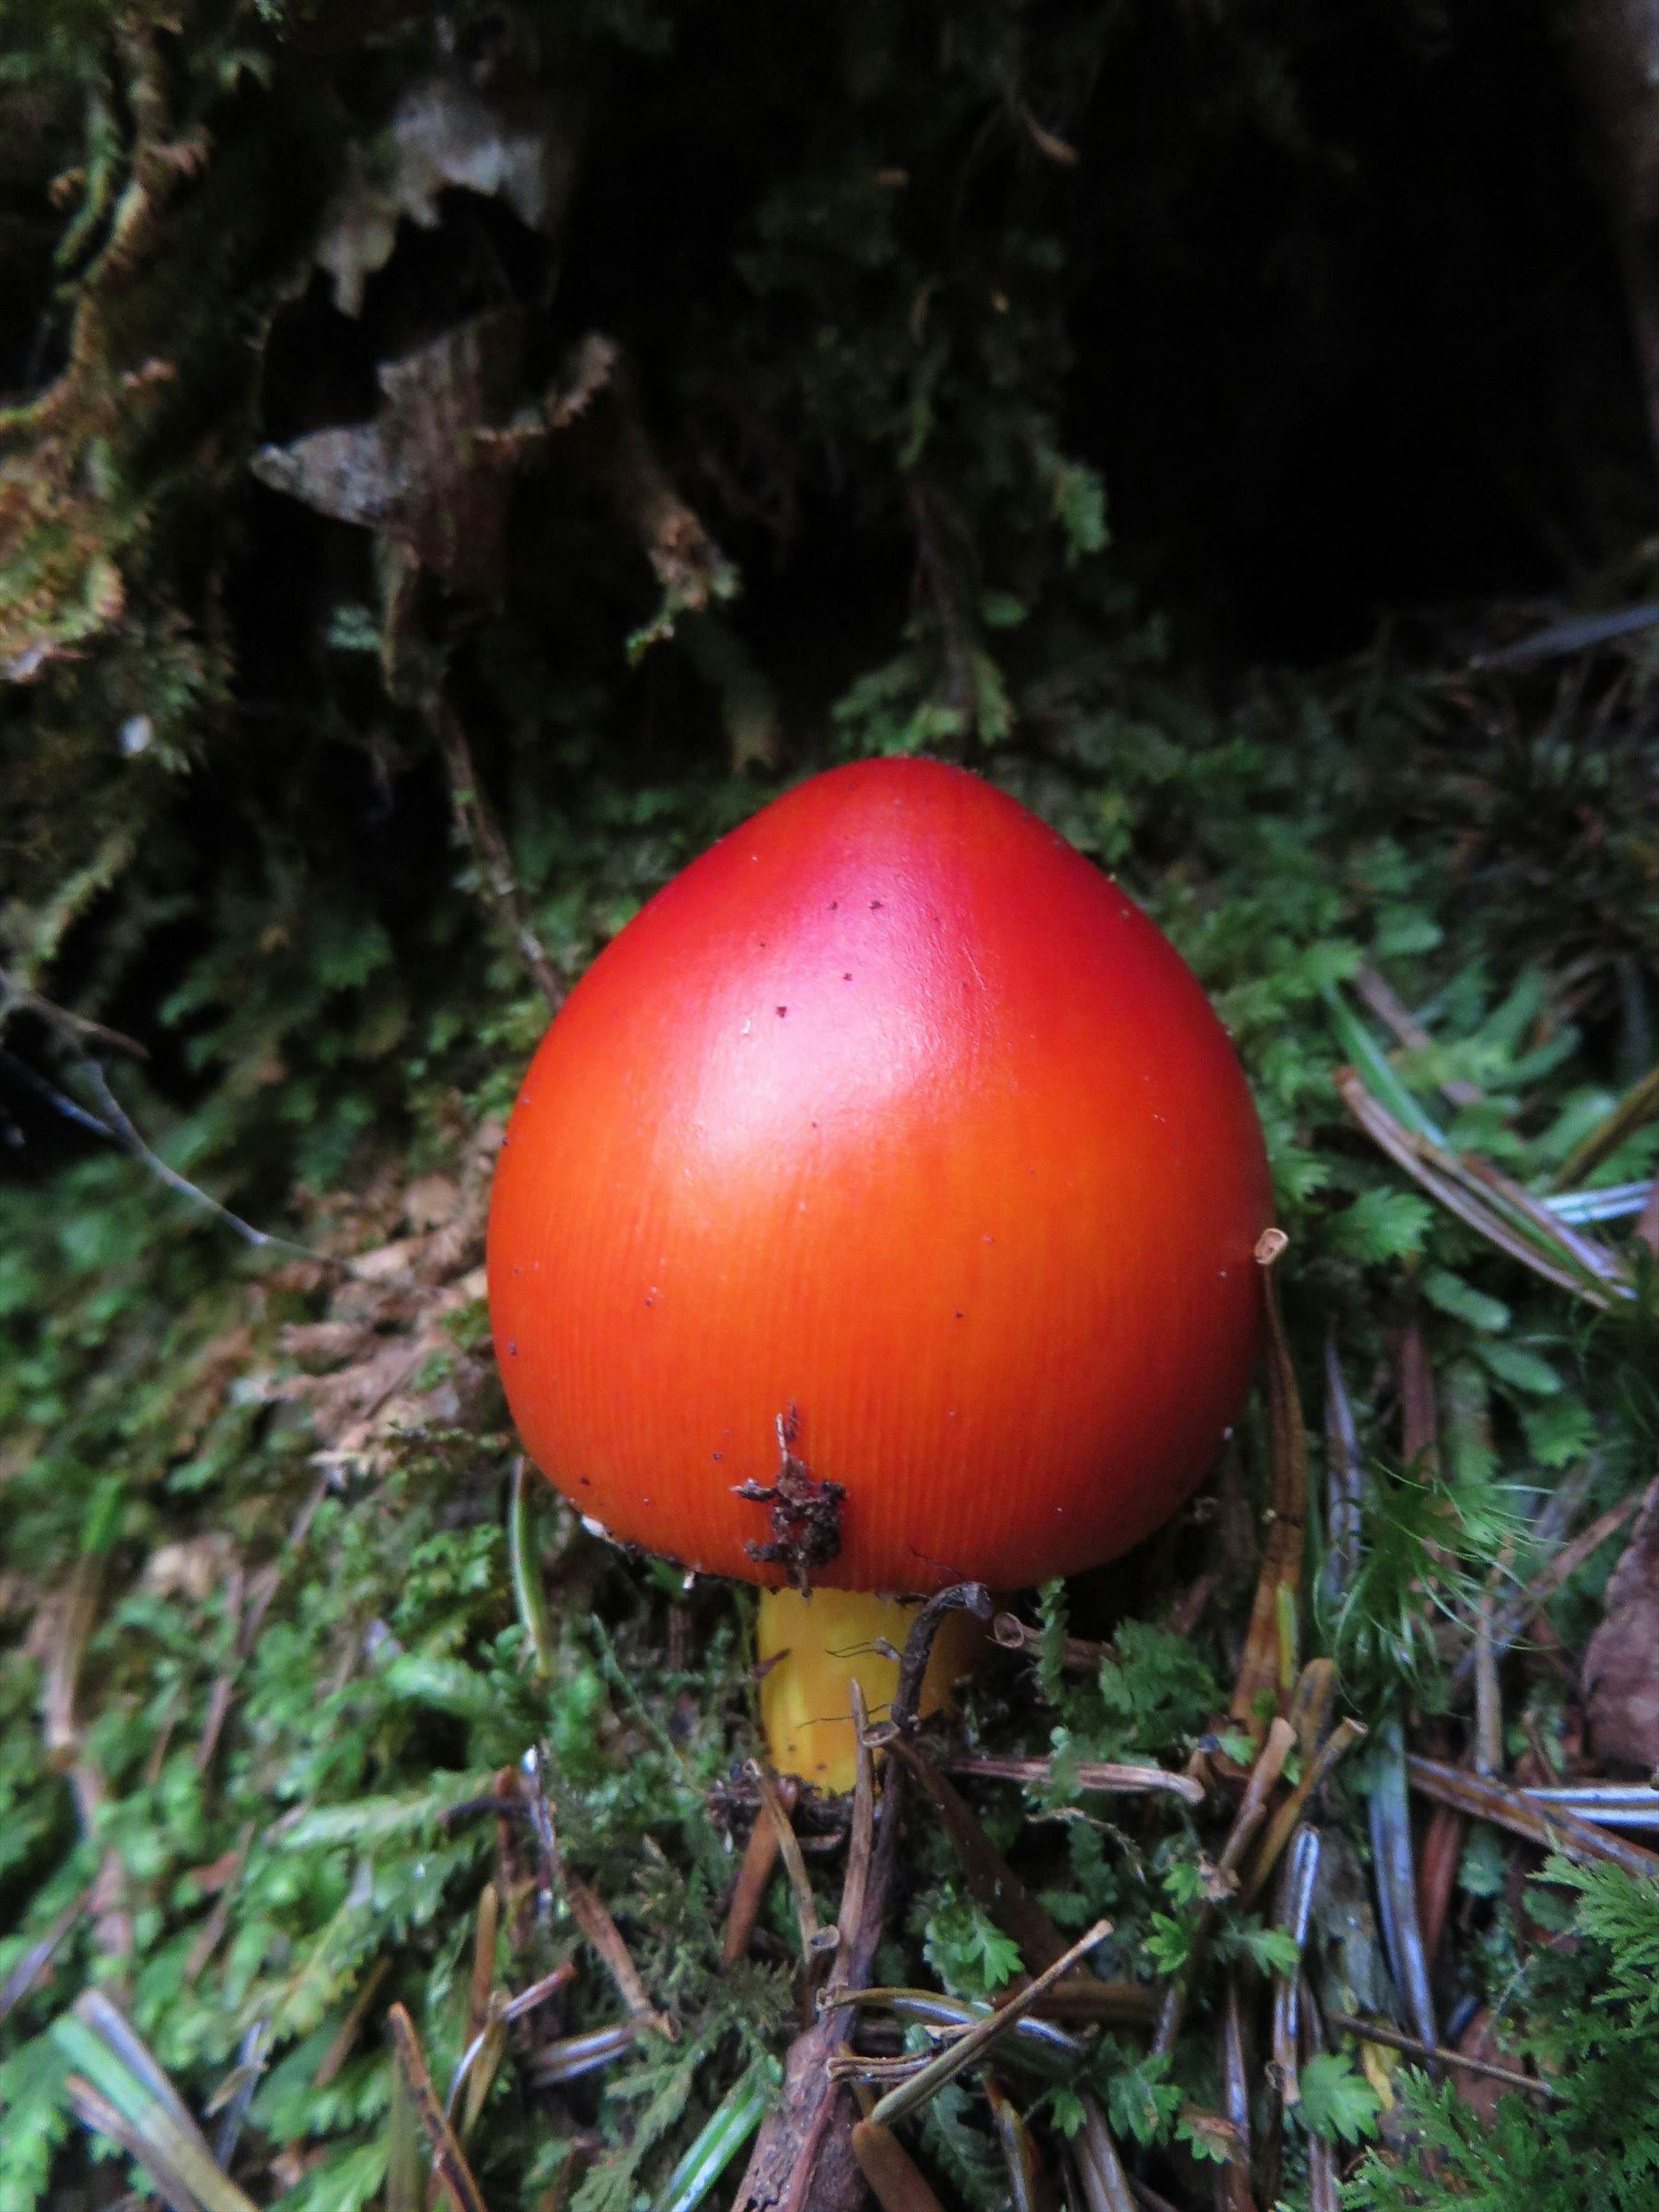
{"x": 1620, "y": 1677}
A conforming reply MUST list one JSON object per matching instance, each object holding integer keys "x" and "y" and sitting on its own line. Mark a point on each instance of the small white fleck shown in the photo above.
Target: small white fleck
{"x": 137, "y": 733}
{"x": 596, "y": 1526}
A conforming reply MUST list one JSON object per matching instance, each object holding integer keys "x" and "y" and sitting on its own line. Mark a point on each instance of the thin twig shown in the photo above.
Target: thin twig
{"x": 1252, "y": 1809}
{"x": 813, "y": 1943}
{"x": 476, "y": 819}
{"x": 1105, "y": 1776}
{"x": 979, "y": 2039}
{"x": 1266, "y": 1670}
{"x": 1377, "y": 2031}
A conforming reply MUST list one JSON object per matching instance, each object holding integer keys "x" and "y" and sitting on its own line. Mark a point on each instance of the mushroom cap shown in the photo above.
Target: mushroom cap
{"x": 893, "y": 1110}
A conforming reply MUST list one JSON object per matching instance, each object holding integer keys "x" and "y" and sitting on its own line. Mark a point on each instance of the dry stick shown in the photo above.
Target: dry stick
{"x": 448, "y": 2160}
{"x": 799, "y": 2160}
{"x": 16, "y": 997}
{"x": 1106, "y": 1776}
{"x": 1638, "y": 1106}
{"x": 482, "y": 1982}
{"x": 213, "y": 1928}
{"x": 475, "y": 818}
{"x": 976, "y": 2040}
{"x": 1263, "y": 1670}
{"x": 1311, "y": 1703}
{"x": 1551, "y": 1830}
{"x": 1376, "y": 993}
{"x": 122, "y": 1131}
{"x": 995, "y": 1888}
{"x": 1377, "y": 2031}
{"x": 572, "y": 2056}
{"x": 860, "y": 1834}
{"x": 1438, "y": 1862}
{"x": 1336, "y": 1746}
{"x": 1488, "y": 1748}
{"x": 588, "y": 1910}
{"x": 1078, "y": 1654}
{"x": 1509, "y": 1622}
{"x": 1252, "y": 1806}
{"x": 813, "y": 1942}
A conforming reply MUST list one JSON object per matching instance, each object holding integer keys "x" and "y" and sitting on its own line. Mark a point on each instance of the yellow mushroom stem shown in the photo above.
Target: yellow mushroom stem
{"x": 814, "y": 1648}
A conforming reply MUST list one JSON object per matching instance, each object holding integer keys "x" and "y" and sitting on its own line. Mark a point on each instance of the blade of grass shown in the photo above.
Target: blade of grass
{"x": 139, "y": 2108}
{"x": 718, "y": 2141}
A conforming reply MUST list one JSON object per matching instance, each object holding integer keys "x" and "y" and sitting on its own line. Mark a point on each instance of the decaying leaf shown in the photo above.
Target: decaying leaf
{"x": 420, "y": 471}
{"x": 520, "y": 148}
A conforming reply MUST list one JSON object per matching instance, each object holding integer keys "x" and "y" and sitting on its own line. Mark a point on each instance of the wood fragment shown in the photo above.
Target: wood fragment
{"x": 449, "y": 2165}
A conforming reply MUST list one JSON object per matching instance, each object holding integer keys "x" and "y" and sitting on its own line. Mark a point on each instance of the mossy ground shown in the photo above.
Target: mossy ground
{"x": 842, "y": 488}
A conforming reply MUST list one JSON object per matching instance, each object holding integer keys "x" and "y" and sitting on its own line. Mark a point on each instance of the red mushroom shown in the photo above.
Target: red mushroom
{"x": 879, "y": 1214}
